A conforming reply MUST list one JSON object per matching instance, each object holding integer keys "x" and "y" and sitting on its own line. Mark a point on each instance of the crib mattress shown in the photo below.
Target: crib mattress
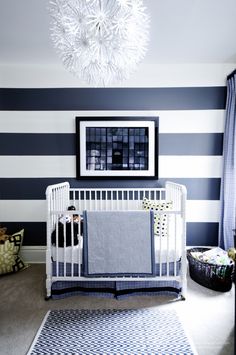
{"x": 170, "y": 251}
{"x": 66, "y": 269}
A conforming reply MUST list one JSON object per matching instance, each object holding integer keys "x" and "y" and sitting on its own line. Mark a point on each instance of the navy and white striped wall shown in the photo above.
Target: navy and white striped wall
{"x": 37, "y": 148}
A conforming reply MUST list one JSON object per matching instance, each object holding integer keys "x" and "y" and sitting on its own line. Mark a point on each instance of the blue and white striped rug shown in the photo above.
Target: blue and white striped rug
{"x": 110, "y": 332}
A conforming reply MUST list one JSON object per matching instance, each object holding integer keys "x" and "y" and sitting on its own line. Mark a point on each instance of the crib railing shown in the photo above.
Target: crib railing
{"x": 60, "y": 196}
{"x": 113, "y": 199}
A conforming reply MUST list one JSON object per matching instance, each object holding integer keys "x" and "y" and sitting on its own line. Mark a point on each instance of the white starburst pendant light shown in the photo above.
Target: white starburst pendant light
{"x": 100, "y": 41}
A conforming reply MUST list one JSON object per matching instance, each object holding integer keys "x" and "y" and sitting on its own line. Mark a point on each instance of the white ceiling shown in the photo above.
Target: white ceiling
{"x": 182, "y": 31}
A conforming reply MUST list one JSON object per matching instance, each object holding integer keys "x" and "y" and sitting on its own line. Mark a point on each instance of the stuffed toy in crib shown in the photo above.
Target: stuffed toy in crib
{"x": 64, "y": 227}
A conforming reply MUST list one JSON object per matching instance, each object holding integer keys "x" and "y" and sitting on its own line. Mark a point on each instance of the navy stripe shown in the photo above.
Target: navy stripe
{"x": 38, "y": 144}
{"x": 177, "y": 98}
{"x": 34, "y": 188}
{"x": 198, "y": 188}
{"x": 65, "y": 144}
{"x": 191, "y": 144}
{"x": 198, "y": 233}
{"x": 201, "y": 234}
{"x": 34, "y": 232}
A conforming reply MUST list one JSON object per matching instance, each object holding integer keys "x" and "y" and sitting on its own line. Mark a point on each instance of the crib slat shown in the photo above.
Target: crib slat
{"x": 95, "y": 200}
{"x": 72, "y": 246}
{"x": 175, "y": 247}
{"x": 57, "y": 249}
{"x": 64, "y": 249}
{"x": 168, "y": 246}
{"x": 160, "y": 245}
{"x": 79, "y": 247}
{"x": 100, "y": 199}
{"x": 106, "y": 201}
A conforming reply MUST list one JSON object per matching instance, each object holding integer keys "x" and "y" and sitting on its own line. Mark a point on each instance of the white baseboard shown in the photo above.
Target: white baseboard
{"x": 34, "y": 254}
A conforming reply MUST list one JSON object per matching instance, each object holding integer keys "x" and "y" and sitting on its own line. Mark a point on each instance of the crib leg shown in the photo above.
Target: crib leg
{"x": 48, "y": 288}
{"x": 184, "y": 289}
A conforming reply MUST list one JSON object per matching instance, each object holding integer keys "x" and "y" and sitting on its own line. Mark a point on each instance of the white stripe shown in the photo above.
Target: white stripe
{"x": 35, "y": 210}
{"x": 54, "y": 121}
{"x": 23, "y": 210}
{"x": 65, "y": 166}
{"x": 190, "y": 166}
{"x": 186, "y": 121}
{"x": 194, "y": 121}
{"x": 37, "y": 166}
{"x": 148, "y": 75}
{"x": 37, "y": 121}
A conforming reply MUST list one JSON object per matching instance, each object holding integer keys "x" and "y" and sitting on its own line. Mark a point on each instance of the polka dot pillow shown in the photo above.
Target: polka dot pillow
{"x": 160, "y": 222}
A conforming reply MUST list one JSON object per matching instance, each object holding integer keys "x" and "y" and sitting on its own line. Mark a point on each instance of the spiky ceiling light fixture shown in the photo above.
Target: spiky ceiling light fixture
{"x": 100, "y": 41}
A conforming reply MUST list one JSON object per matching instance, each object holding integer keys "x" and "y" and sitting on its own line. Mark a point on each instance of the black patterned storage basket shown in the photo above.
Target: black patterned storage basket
{"x": 216, "y": 277}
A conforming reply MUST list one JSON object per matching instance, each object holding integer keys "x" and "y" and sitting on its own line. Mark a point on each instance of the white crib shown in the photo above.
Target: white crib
{"x": 169, "y": 250}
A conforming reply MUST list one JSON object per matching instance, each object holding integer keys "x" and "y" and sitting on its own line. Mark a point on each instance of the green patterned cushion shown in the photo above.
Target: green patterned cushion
{"x": 10, "y": 261}
{"x": 160, "y": 222}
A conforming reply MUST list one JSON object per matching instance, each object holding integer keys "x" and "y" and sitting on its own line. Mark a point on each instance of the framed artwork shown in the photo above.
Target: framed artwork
{"x": 117, "y": 147}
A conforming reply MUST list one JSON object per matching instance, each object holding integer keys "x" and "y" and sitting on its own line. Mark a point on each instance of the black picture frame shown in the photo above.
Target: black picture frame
{"x": 117, "y": 147}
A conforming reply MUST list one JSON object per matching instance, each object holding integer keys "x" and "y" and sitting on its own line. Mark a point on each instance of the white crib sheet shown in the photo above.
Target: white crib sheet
{"x": 170, "y": 248}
